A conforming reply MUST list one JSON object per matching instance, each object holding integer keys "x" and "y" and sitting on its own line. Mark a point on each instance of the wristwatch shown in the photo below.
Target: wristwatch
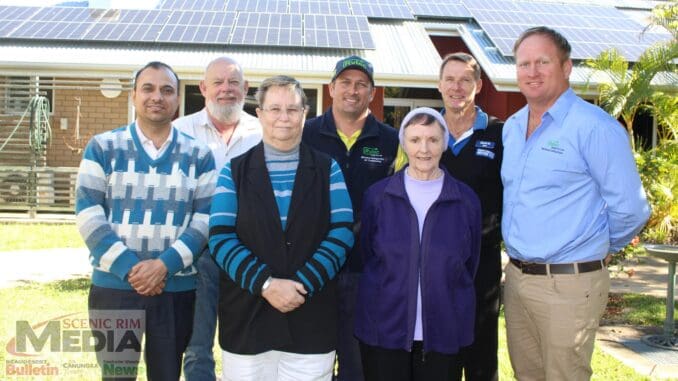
{"x": 266, "y": 284}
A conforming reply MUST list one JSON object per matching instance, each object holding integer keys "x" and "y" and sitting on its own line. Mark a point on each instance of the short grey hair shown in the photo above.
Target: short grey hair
{"x": 461, "y": 57}
{"x": 280, "y": 81}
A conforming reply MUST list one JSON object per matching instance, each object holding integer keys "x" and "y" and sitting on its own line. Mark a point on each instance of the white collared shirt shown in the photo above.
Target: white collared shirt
{"x": 198, "y": 125}
{"x": 152, "y": 152}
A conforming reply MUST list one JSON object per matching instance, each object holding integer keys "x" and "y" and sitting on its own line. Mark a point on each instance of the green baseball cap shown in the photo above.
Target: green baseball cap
{"x": 354, "y": 62}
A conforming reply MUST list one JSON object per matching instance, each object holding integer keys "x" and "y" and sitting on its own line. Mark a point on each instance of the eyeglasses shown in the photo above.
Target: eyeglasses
{"x": 291, "y": 112}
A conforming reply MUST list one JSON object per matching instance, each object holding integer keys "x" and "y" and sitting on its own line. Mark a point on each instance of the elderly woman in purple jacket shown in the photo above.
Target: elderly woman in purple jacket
{"x": 421, "y": 244}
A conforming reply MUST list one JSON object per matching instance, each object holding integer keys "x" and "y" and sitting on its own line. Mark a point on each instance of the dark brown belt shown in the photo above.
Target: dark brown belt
{"x": 556, "y": 268}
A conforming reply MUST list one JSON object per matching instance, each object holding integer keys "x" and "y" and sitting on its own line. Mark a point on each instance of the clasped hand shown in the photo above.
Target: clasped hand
{"x": 284, "y": 295}
{"x": 148, "y": 277}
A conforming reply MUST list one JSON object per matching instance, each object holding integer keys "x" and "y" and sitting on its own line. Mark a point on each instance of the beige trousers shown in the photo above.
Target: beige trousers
{"x": 551, "y": 322}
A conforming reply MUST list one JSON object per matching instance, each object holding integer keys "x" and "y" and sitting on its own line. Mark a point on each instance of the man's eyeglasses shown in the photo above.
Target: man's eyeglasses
{"x": 291, "y": 112}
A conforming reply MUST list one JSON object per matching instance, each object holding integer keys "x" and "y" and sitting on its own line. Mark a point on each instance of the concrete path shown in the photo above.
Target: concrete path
{"x": 645, "y": 275}
{"x": 43, "y": 265}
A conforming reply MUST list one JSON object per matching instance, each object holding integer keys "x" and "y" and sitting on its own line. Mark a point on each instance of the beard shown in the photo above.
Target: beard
{"x": 225, "y": 113}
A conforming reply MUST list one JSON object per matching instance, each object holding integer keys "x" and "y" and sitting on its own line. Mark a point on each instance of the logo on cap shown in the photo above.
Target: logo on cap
{"x": 354, "y": 62}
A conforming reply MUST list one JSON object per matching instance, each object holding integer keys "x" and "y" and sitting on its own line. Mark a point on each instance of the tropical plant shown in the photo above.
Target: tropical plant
{"x": 625, "y": 89}
{"x": 658, "y": 168}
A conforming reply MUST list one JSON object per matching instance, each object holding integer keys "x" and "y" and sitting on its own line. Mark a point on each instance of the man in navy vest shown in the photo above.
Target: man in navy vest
{"x": 366, "y": 150}
{"x": 474, "y": 157}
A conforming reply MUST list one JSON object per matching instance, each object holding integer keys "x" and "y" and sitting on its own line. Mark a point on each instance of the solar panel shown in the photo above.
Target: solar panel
{"x": 254, "y": 28}
{"x": 589, "y": 29}
{"x": 272, "y": 6}
{"x": 321, "y": 7}
{"x": 393, "y": 9}
{"x": 129, "y": 25}
{"x": 337, "y": 31}
{"x": 57, "y": 24}
{"x": 194, "y": 26}
{"x": 439, "y": 8}
{"x": 198, "y": 27}
{"x": 11, "y": 17}
{"x": 196, "y": 5}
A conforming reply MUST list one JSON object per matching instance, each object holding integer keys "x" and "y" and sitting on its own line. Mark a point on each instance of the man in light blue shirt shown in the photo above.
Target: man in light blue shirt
{"x": 572, "y": 197}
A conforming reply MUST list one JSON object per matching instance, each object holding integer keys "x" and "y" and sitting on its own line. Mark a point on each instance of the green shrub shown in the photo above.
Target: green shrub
{"x": 658, "y": 168}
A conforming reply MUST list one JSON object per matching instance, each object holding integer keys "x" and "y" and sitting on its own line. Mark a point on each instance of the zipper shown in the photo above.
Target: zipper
{"x": 422, "y": 262}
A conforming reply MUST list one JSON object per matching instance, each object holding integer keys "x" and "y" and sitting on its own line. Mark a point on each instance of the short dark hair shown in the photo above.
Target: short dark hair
{"x": 461, "y": 57}
{"x": 558, "y": 40}
{"x": 158, "y": 66}
{"x": 280, "y": 81}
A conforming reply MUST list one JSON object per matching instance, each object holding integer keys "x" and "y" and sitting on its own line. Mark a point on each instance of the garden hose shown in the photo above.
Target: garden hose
{"x": 40, "y": 129}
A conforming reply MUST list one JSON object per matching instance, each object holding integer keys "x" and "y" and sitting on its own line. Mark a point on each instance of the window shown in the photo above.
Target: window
{"x": 399, "y": 101}
{"x": 16, "y": 93}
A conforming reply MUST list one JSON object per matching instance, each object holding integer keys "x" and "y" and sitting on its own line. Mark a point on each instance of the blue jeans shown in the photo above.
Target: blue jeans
{"x": 348, "y": 348}
{"x": 199, "y": 358}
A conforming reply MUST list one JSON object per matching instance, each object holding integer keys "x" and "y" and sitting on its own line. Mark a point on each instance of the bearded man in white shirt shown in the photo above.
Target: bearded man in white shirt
{"x": 228, "y": 131}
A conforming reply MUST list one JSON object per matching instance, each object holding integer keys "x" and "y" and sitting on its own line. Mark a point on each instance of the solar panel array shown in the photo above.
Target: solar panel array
{"x": 13, "y": 17}
{"x": 589, "y": 29}
{"x": 439, "y": 8}
{"x": 388, "y": 9}
{"x": 195, "y": 5}
{"x": 186, "y": 26}
{"x": 333, "y": 31}
{"x": 320, "y": 7}
{"x": 127, "y": 25}
{"x": 56, "y": 23}
{"x": 273, "y": 6}
{"x": 324, "y": 23}
{"x": 198, "y": 27}
{"x": 268, "y": 29}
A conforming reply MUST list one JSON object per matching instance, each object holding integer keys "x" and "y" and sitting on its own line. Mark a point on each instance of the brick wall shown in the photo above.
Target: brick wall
{"x": 97, "y": 114}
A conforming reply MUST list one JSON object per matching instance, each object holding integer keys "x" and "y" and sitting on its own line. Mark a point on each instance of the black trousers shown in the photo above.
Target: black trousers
{"x": 380, "y": 364}
{"x": 169, "y": 321}
{"x": 480, "y": 358}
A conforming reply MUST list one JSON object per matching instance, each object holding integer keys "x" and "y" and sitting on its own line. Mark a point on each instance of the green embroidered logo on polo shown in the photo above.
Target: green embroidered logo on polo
{"x": 371, "y": 151}
{"x": 372, "y": 155}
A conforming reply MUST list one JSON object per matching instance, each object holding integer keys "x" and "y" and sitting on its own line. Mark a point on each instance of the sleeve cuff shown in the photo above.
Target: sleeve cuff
{"x": 123, "y": 264}
{"x": 172, "y": 261}
{"x": 261, "y": 278}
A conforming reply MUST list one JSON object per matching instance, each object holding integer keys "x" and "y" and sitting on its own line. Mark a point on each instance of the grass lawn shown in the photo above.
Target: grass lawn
{"x": 36, "y": 302}
{"x": 39, "y": 236}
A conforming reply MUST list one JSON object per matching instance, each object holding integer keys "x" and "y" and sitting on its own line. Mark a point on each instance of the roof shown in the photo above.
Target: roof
{"x": 392, "y": 68}
{"x": 404, "y": 55}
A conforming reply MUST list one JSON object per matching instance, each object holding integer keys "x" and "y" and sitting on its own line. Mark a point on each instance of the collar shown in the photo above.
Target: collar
{"x": 145, "y": 140}
{"x": 244, "y": 122}
{"x": 558, "y": 111}
{"x": 480, "y": 123}
{"x": 449, "y": 192}
{"x": 328, "y": 126}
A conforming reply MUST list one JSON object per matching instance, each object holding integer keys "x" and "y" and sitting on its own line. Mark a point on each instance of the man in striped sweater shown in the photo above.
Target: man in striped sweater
{"x": 142, "y": 205}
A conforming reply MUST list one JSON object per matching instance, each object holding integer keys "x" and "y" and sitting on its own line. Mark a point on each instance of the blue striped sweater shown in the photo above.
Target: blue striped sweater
{"x": 241, "y": 264}
{"x": 130, "y": 207}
